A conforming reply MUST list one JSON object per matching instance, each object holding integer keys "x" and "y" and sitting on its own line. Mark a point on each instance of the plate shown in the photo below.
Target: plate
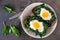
{"x": 27, "y": 11}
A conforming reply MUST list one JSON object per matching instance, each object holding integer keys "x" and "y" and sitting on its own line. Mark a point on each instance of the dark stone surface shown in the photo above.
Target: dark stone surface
{"x": 19, "y": 5}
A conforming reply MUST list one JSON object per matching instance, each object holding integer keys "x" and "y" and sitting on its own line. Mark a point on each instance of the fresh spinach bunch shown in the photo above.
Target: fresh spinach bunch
{"x": 12, "y": 30}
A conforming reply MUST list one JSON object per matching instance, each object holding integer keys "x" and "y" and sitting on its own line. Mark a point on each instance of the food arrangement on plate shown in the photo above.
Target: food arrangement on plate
{"x": 41, "y": 19}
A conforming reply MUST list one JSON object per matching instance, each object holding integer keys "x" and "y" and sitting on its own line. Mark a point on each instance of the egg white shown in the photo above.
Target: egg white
{"x": 40, "y": 29}
{"x": 42, "y": 10}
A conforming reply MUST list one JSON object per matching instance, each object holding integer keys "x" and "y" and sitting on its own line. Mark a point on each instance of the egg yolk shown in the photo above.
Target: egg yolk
{"x": 45, "y": 14}
{"x": 36, "y": 25}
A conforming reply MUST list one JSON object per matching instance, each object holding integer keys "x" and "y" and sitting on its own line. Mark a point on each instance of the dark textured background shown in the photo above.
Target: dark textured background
{"x": 19, "y": 5}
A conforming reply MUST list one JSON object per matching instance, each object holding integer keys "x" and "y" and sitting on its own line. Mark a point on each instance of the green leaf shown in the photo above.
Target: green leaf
{"x": 10, "y": 31}
{"x": 45, "y": 26}
{"x": 7, "y": 9}
{"x": 42, "y": 33}
{"x": 5, "y": 30}
{"x": 14, "y": 30}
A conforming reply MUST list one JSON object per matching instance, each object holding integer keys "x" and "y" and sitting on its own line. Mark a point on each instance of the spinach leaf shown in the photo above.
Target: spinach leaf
{"x": 45, "y": 26}
{"x": 14, "y": 30}
{"x": 5, "y": 30}
{"x": 42, "y": 33}
{"x": 8, "y": 9}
